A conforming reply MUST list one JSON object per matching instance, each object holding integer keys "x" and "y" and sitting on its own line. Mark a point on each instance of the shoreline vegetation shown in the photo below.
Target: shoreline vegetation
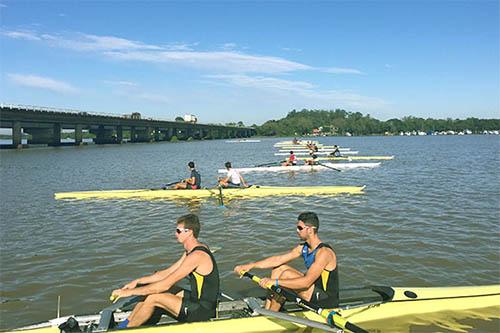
{"x": 343, "y": 123}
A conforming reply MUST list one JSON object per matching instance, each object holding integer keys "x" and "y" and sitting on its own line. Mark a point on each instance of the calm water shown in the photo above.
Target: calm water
{"x": 428, "y": 218}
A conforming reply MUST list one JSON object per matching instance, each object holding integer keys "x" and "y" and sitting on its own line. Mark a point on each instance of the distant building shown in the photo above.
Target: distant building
{"x": 189, "y": 118}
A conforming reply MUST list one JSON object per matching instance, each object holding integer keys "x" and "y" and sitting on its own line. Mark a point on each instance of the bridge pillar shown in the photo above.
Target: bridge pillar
{"x": 17, "y": 135}
{"x": 56, "y": 135}
{"x": 119, "y": 134}
{"x": 78, "y": 135}
{"x": 103, "y": 135}
{"x": 157, "y": 135}
{"x": 144, "y": 135}
{"x": 170, "y": 133}
{"x": 133, "y": 134}
{"x": 42, "y": 135}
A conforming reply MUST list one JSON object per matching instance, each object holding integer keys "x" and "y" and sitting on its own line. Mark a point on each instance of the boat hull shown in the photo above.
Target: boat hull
{"x": 253, "y": 191}
{"x": 405, "y": 302}
{"x": 306, "y": 168}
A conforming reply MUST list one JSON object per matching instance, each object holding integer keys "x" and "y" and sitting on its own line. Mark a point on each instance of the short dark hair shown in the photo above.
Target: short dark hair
{"x": 227, "y": 164}
{"x": 191, "y": 165}
{"x": 192, "y": 222}
{"x": 291, "y": 152}
{"x": 310, "y": 219}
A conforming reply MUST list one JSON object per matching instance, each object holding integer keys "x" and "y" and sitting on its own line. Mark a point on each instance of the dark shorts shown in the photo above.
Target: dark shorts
{"x": 231, "y": 185}
{"x": 322, "y": 299}
{"x": 192, "y": 310}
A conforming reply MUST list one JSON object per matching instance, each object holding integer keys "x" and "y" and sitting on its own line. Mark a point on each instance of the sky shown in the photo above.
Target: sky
{"x": 252, "y": 61}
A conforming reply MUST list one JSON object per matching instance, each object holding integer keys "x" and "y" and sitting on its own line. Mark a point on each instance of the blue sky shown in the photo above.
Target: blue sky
{"x": 253, "y": 61}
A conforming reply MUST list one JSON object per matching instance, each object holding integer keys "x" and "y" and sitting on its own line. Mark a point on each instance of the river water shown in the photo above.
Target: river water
{"x": 428, "y": 218}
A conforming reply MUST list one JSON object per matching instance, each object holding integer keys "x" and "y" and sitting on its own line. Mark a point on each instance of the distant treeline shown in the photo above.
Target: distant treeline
{"x": 340, "y": 122}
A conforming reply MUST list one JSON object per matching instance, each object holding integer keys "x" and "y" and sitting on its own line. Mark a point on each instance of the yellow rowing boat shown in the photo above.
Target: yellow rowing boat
{"x": 250, "y": 192}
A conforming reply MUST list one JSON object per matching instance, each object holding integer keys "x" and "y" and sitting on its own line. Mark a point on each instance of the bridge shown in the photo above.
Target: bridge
{"x": 45, "y": 126}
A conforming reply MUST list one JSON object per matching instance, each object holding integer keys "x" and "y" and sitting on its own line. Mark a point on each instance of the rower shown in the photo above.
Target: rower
{"x": 335, "y": 152}
{"x": 319, "y": 284}
{"x": 313, "y": 159}
{"x": 295, "y": 141}
{"x": 233, "y": 178}
{"x": 197, "y": 263}
{"x": 291, "y": 160}
{"x": 191, "y": 183}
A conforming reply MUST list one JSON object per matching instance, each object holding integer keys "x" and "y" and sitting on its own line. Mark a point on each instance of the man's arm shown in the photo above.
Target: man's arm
{"x": 189, "y": 264}
{"x": 313, "y": 273}
{"x": 271, "y": 262}
{"x": 157, "y": 276}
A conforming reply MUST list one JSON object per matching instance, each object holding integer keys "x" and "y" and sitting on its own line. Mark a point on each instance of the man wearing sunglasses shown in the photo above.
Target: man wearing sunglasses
{"x": 197, "y": 263}
{"x": 319, "y": 284}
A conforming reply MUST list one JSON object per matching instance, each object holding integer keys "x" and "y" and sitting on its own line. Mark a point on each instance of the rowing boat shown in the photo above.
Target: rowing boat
{"x": 358, "y": 306}
{"x": 242, "y": 141}
{"x": 321, "y": 167}
{"x": 320, "y": 149}
{"x": 349, "y": 158}
{"x": 252, "y": 191}
{"x": 351, "y": 152}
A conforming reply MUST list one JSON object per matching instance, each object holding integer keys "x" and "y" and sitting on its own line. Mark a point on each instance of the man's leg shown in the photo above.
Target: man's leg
{"x": 287, "y": 272}
{"x": 180, "y": 186}
{"x": 170, "y": 302}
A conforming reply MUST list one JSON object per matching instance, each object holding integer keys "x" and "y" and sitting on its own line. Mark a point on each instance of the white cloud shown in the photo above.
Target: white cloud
{"x": 264, "y": 82}
{"x": 339, "y": 70}
{"x": 27, "y": 35}
{"x": 175, "y": 53}
{"x": 304, "y": 91}
{"x": 219, "y": 61}
{"x": 35, "y": 81}
{"x": 121, "y": 83}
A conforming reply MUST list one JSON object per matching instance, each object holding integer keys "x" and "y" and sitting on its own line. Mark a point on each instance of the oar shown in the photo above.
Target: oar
{"x": 328, "y": 167}
{"x": 332, "y": 317}
{"x": 270, "y": 163}
{"x": 221, "y": 198}
{"x": 164, "y": 187}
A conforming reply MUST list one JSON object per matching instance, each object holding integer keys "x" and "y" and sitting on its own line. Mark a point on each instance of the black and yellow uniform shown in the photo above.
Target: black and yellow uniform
{"x": 200, "y": 303}
{"x": 326, "y": 287}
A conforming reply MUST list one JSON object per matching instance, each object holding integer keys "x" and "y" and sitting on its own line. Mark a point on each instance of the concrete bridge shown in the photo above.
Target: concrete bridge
{"x": 45, "y": 126}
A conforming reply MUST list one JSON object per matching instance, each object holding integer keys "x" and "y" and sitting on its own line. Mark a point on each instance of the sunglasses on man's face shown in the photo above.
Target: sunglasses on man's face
{"x": 300, "y": 228}
{"x": 179, "y": 230}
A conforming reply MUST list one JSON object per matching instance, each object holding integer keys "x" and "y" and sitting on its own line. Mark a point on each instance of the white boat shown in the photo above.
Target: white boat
{"x": 350, "y": 152}
{"x": 323, "y": 166}
{"x": 308, "y": 150}
{"x": 243, "y": 141}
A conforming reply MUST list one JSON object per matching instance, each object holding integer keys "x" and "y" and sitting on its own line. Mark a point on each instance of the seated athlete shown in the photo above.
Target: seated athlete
{"x": 197, "y": 263}
{"x": 291, "y": 160}
{"x": 191, "y": 183}
{"x": 232, "y": 179}
{"x": 319, "y": 284}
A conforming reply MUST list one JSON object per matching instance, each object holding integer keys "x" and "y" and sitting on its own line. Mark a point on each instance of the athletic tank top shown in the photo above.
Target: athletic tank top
{"x": 328, "y": 280}
{"x": 205, "y": 288}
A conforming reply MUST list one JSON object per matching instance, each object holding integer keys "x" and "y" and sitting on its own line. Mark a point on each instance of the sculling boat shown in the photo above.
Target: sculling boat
{"x": 252, "y": 191}
{"x": 308, "y": 150}
{"x": 349, "y": 158}
{"x": 350, "y": 152}
{"x": 323, "y": 166}
{"x": 357, "y": 306}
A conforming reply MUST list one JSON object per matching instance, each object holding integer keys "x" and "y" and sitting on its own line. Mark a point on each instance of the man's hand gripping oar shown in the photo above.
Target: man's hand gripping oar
{"x": 332, "y": 317}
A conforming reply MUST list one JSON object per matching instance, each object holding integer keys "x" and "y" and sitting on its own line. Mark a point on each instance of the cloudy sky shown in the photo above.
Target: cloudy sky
{"x": 253, "y": 61}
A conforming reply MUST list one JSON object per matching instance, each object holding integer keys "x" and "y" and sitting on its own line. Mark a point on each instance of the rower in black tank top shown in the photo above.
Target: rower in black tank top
{"x": 200, "y": 303}
{"x": 326, "y": 287}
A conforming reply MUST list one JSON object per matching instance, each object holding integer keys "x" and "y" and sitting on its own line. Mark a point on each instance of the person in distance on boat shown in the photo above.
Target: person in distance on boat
{"x": 312, "y": 160}
{"x": 197, "y": 263}
{"x": 319, "y": 284}
{"x": 335, "y": 152}
{"x": 233, "y": 178}
{"x": 291, "y": 160}
{"x": 191, "y": 183}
